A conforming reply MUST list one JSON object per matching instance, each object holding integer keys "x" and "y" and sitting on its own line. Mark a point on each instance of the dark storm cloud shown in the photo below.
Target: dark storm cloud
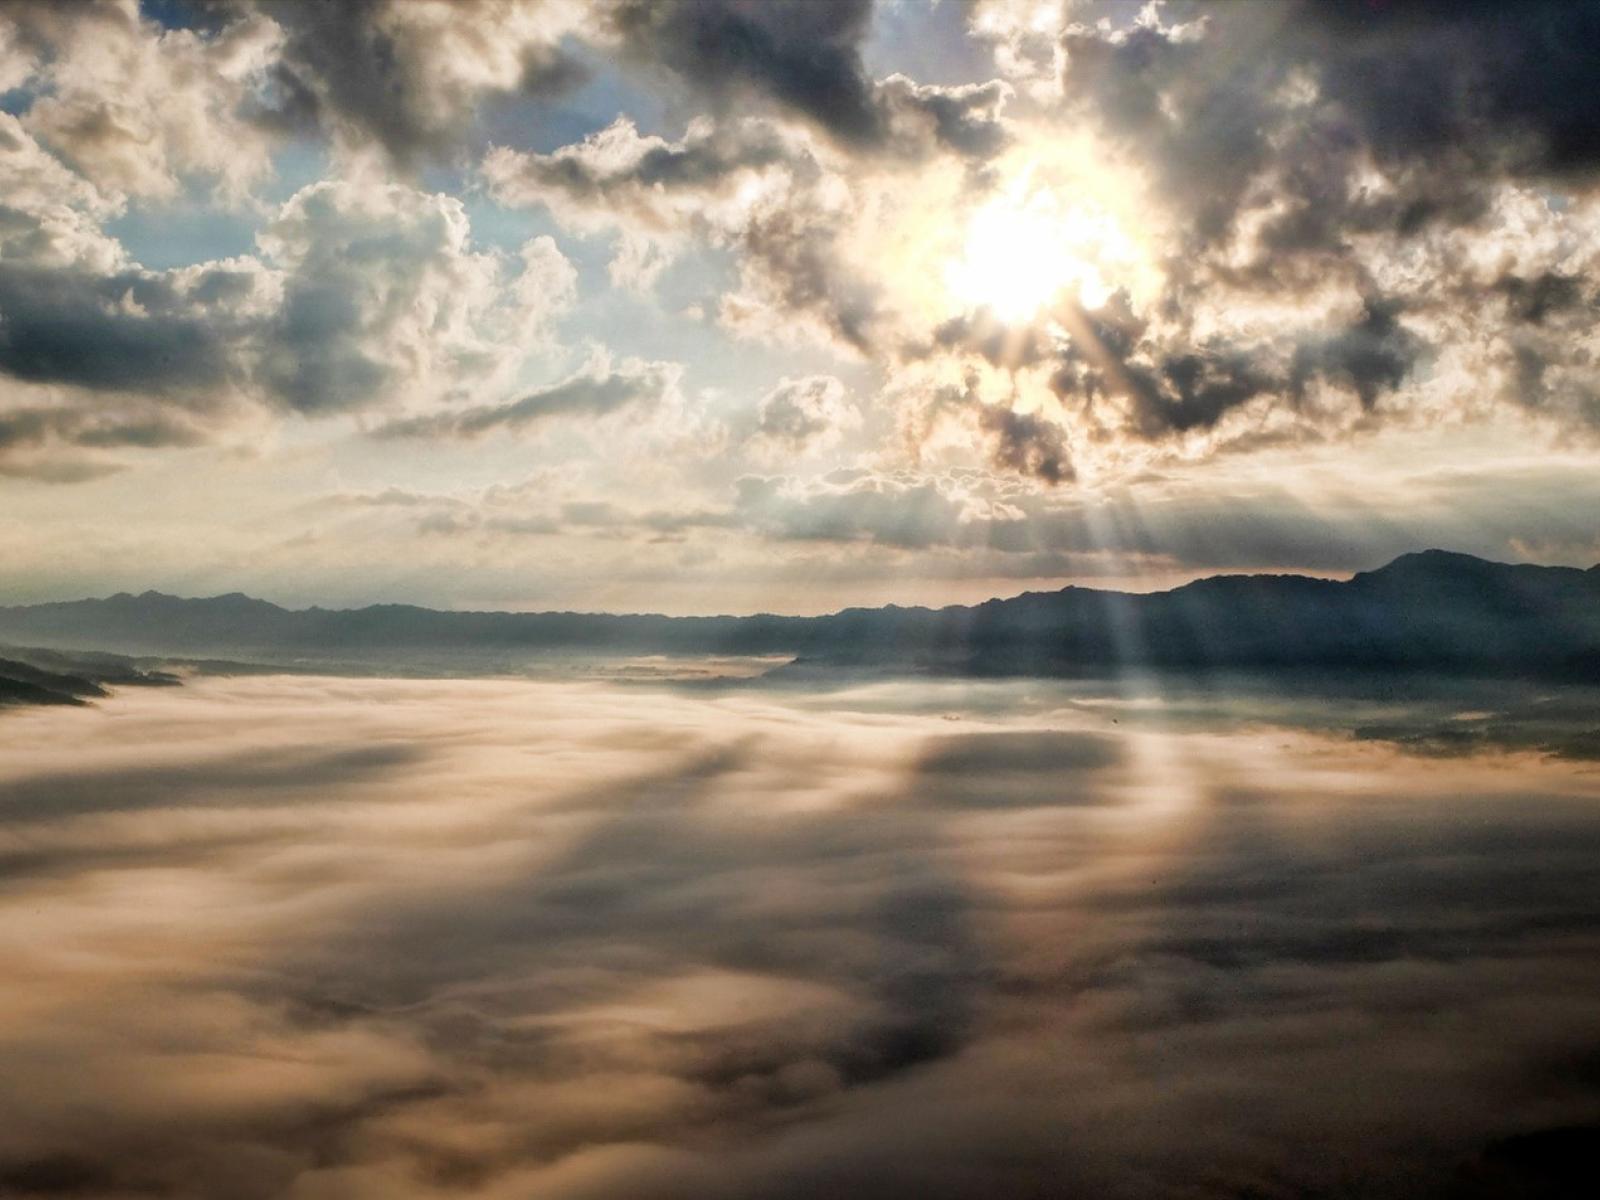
{"x": 579, "y": 942}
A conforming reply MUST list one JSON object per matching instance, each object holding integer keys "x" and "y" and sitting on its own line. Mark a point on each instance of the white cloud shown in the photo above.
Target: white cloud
{"x": 137, "y": 108}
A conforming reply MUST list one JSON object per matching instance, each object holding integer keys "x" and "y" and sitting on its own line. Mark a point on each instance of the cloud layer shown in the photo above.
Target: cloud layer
{"x": 294, "y": 937}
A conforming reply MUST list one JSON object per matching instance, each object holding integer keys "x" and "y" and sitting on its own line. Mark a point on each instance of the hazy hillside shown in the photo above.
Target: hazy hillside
{"x": 42, "y": 676}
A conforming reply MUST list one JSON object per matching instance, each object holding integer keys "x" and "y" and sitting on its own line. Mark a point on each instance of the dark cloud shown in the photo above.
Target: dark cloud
{"x": 84, "y": 426}
{"x": 1508, "y": 85}
{"x": 126, "y": 332}
{"x": 362, "y": 298}
{"x": 803, "y": 55}
{"x": 1173, "y": 387}
{"x": 964, "y": 121}
{"x": 1450, "y": 95}
{"x": 1371, "y": 357}
{"x": 1027, "y": 443}
{"x": 1534, "y": 300}
{"x": 410, "y": 82}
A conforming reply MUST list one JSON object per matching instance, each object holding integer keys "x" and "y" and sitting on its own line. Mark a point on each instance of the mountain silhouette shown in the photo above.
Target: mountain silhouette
{"x": 1429, "y": 611}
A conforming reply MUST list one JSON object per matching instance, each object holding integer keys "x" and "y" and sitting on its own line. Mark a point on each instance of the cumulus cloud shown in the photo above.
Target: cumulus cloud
{"x": 1270, "y": 234}
{"x": 749, "y": 188}
{"x": 409, "y": 77}
{"x": 138, "y": 109}
{"x": 803, "y": 57}
{"x": 359, "y": 296}
{"x": 103, "y": 352}
{"x": 384, "y": 294}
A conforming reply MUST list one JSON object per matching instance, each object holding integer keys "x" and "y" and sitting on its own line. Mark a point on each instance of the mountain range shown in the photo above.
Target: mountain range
{"x": 1429, "y": 611}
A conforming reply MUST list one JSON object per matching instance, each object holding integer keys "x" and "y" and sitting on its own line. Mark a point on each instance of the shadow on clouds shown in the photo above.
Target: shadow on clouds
{"x": 306, "y": 938}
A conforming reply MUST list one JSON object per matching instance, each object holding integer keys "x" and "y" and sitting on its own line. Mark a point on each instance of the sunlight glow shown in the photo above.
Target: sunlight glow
{"x": 1028, "y": 246}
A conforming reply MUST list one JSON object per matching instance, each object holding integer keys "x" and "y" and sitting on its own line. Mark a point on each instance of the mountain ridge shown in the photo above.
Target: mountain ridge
{"x": 1428, "y": 610}
{"x": 1399, "y": 561}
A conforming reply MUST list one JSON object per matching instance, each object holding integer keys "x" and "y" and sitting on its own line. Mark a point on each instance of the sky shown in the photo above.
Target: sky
{"x": 722, "y": 306}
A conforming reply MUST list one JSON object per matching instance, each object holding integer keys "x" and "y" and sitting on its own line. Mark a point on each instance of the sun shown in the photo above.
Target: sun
{"x": 1030, "y": 247}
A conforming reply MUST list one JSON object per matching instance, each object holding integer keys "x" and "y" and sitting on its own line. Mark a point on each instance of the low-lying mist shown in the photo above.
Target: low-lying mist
{"x": 314, "y": 938}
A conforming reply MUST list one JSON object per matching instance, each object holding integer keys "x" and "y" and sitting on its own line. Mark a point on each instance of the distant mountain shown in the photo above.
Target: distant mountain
{"x": 1432, "y": 611}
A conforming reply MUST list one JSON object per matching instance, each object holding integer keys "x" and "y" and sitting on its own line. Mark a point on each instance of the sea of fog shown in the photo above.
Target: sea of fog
{"x": 393, "y": 939}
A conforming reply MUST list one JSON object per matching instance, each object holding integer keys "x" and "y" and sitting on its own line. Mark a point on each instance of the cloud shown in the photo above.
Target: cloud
{"x": 965, "y": 121}
{"x": 1320, "y": 195}
{"x": 904, "y": 510}
{"x": 138, "y": 109}
{"x": 51, "y": 217}
{"x": 1293, "y": 231}
{"x": 1027, "y": 443}
{"x": 409, "y": 78}
{"x": 1371, "y": 357}
{"x": 361, "y": 297}
{"x": 746, "y": 187}
{"x": 384, "y": 296}
{"x": 807, "y": 413}
{"x": 801, "y": 56}
{"x": 780, "y": 943}
{"x": 597, "y": 391}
